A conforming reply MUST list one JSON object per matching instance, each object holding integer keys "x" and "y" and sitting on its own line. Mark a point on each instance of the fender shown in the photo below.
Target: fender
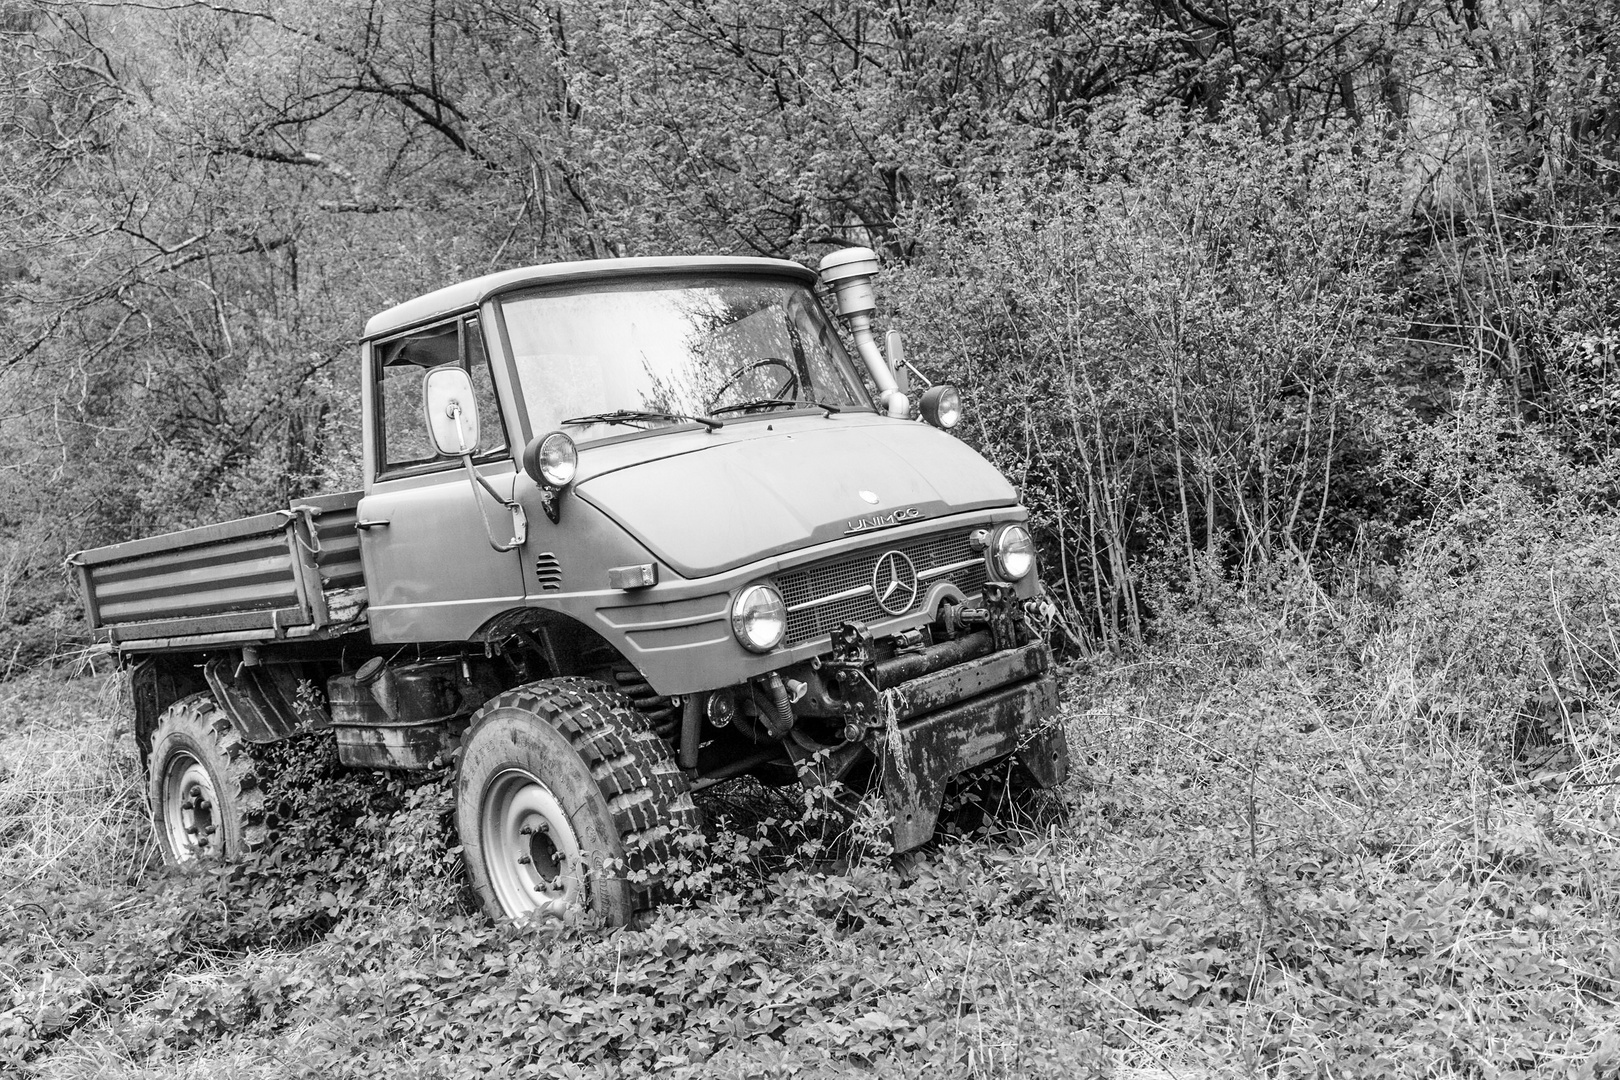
{"x": 155, "y": 683}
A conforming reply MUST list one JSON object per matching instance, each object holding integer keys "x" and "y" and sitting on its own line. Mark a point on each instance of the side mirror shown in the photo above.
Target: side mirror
{"x": 897, "y": 360}
{"x": 452, "y": 413}
{"x": 452, "y": 416}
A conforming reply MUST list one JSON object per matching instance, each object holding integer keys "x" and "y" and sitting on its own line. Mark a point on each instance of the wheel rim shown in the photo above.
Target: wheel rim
{"x": 530, "y": 849}
{"x": 190, "y": 808}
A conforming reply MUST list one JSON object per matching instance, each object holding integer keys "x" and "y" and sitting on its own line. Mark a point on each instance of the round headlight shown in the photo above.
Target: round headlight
{"x": 1015, "y": 552}
{"x": 759, "y": 618}
{"x": 941, "y": 406}
{"x": 553, "y": 460}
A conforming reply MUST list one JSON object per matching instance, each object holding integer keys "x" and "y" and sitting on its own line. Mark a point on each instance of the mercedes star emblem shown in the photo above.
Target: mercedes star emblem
{"x": 894, "y": 582}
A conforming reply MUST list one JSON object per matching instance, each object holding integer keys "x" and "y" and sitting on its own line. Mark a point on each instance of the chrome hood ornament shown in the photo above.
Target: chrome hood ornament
{"x": 894, "y": 582}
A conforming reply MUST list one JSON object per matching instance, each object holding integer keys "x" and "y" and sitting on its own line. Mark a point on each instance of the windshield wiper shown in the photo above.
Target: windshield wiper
{"x": 768, "y": 403}
{"x": 631, "y": 416}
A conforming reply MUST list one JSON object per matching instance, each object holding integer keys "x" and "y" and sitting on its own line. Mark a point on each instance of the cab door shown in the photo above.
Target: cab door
{"x": 432, "y": 570}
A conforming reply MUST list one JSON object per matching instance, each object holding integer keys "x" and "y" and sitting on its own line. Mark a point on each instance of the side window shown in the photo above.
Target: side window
{"x": 491, "y": 428}
{"x": 402, "y": 365}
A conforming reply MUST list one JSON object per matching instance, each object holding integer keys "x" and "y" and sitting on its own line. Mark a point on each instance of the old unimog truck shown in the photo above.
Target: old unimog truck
{"x": 629, "y": 528}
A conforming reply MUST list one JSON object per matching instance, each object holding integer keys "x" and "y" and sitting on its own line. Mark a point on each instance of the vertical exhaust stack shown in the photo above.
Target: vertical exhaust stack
{"x": 850, "y": 273}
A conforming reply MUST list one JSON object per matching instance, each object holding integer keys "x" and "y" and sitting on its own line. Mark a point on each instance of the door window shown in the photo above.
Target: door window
{"x": 402, "y": 365}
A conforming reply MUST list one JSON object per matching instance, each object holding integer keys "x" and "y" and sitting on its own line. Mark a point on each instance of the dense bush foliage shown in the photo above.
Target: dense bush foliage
{"x": 1174, "y": 352}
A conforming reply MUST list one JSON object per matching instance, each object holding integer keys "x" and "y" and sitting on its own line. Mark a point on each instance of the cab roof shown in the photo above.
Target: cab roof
{"x": 469, "y": 294}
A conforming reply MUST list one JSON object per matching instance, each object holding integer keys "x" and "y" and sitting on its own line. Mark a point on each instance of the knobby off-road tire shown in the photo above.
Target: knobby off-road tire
{"x": 567, "y": 802}
{"x": 202, "y": 786}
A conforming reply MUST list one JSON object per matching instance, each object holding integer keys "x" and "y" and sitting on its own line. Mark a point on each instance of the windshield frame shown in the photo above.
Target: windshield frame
{"x": 600, "y": 434}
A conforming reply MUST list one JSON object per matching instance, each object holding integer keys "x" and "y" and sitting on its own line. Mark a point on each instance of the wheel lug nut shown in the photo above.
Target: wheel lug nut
{"x": 524, "y": 860}
{"x": 527, "y": 830}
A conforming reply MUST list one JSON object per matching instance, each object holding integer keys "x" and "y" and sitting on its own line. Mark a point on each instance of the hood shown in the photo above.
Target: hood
{"x": 732, "y": 503}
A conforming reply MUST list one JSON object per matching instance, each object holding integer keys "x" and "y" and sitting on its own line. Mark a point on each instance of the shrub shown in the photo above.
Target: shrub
{"x": 1171, "y": 353}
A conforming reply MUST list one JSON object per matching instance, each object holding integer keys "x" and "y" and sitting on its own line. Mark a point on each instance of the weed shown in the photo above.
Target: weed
{"x": 1295, "y": 843}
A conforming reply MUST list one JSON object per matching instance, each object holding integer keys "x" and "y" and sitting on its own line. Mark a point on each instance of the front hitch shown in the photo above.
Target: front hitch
{"x": 932, "y": 713}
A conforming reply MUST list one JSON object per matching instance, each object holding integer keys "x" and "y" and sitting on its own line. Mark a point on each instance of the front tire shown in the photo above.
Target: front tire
{"x": 202, "y": 788}
{"x": 568, "y": 802}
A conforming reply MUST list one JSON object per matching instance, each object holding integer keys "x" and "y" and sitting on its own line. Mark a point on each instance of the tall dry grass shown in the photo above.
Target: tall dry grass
{"x": 72, "y": 797}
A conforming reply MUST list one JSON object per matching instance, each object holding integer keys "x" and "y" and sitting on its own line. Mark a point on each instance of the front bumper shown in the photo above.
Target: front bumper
{"x": 939, "y": 725}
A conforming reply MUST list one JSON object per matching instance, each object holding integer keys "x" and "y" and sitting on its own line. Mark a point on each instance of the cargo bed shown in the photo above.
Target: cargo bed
{"x": 291, "y": 573}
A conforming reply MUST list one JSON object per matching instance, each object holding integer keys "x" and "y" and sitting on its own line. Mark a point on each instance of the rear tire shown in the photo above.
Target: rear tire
{"x": 202, "y": 787}
{"x": 567, "y": 802}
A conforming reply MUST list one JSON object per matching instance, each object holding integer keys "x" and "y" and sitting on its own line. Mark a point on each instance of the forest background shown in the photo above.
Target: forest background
{"x": 1227, "y": 286}
{"x": 1296, "y": 322}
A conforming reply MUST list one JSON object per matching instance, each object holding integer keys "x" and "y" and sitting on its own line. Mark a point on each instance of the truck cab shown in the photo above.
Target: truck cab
{"x": 628, "y": 529}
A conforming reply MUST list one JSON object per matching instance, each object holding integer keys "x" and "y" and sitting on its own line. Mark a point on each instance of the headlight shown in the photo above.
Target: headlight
{"x": 941, "y": 406}
{"x": 1015, "y": 552}
{"x": 555, "y": 460}
{"x": 759, "y": 618}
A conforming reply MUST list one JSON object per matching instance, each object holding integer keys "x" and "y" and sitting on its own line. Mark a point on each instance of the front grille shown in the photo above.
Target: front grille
{"x": 852, "y": 573}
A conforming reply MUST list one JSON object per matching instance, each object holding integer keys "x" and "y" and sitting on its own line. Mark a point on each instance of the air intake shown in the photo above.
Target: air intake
{"x": 549, "y": 571}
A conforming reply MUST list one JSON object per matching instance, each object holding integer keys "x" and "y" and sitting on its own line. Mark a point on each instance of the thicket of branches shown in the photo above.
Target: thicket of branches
{"x": 1230, "y": 285}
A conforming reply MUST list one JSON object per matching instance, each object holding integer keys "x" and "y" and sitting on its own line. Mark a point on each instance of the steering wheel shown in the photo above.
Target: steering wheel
{"x": 786, "y": 392}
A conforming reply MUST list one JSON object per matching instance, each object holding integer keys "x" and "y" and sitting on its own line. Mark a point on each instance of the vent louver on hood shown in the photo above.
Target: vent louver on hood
{"x": 549, "y": 571}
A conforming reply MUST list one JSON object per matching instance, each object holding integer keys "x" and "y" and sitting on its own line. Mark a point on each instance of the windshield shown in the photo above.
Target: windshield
{"x": 652, "y": 350}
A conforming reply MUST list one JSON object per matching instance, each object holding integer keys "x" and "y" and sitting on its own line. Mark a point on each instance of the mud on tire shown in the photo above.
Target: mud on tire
{"x": 203, "y": 787}
{"x": 568, "y": 802}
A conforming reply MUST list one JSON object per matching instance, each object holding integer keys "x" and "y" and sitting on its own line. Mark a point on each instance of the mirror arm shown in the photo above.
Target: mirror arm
{"x": 520, "y": 521}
